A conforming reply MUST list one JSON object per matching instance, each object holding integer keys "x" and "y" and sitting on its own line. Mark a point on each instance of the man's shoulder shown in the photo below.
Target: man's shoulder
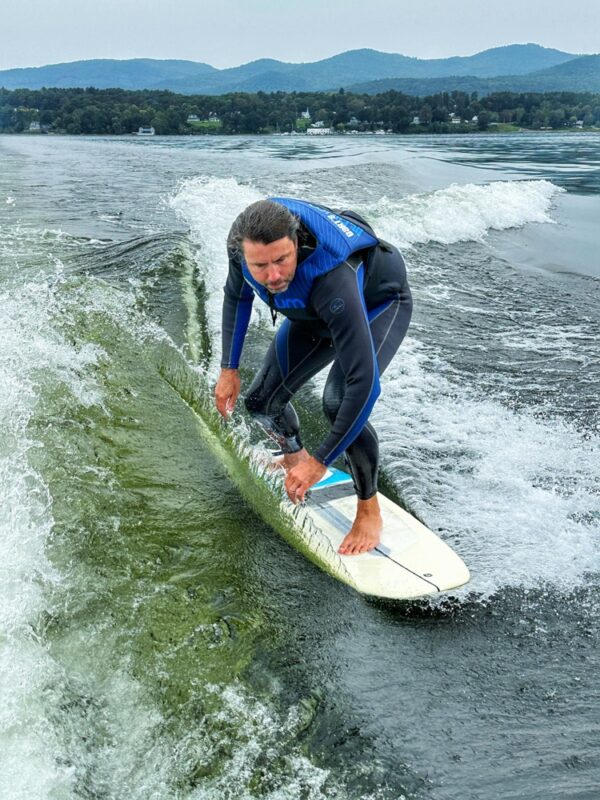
{"x": 345, "y": 270}
{"x": 339, "y": 282}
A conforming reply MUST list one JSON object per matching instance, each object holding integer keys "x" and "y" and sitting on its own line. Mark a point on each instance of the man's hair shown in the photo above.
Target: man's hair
{"x": 264, "y": 221}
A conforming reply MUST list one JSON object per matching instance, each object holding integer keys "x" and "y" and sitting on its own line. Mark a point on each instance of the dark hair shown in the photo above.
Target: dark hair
{"x": 264, "y": 221}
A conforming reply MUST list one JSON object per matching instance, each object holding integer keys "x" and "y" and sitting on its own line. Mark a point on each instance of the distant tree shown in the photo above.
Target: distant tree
{"x": 483, "y": 121}
{"x": 425, "y": 114}
{"x": 556, "y": 118}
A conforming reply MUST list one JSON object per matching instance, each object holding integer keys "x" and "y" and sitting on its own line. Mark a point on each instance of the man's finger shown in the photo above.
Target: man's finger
{"x": 222, "y": 406}
{"x": 291, "y": 490}
{"x": 296, "y": 492}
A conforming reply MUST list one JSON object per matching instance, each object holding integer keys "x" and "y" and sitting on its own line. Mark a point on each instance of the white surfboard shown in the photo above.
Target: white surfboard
{"x": 410, "y": 561}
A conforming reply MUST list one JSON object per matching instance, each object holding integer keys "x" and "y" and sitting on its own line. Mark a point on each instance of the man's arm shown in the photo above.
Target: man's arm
{"x": 338, "y": 300}
{"x": 237, "y": 308}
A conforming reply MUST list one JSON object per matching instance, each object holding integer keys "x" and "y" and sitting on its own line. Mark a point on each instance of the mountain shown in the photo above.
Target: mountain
{"x": 135, "y": 73}
{"x": 329, "y": 74}
{"x": 577, "y": 75}
{"x": 514, "y": 59}
{"x": 585, "y": 69}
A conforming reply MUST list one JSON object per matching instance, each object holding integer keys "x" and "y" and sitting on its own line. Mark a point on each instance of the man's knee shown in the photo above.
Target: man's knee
{"x": 256, "y": 404}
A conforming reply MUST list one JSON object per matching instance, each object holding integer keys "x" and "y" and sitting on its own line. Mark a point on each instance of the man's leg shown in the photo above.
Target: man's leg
{"x": 294, "y": 356}
{"x": 389, "y": 324}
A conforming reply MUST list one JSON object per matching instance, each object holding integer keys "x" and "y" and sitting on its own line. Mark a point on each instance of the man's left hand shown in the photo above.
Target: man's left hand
{"x": 301, "y": 477}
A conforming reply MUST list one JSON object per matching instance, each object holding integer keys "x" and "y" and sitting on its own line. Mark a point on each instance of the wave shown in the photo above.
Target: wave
{"x": 209, "y": 206}
{"x": 30, "y": 354}
{"x": 511, "y": 490}
{"x": 455, "y": 214}
{"x": 458, "y": 213}
{"x": 462, "y": 213}
{"x": 514, "y": 492}
{"x": 85, "y": 363}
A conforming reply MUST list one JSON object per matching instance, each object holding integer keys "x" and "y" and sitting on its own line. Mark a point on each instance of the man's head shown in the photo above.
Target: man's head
{"x": 266, "y": 235}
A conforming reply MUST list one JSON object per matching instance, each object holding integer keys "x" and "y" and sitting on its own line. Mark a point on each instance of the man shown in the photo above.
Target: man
{"x": 346, "y": 300}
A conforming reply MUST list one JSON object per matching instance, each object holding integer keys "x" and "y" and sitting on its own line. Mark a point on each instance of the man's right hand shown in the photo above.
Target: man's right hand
{"x": 227, "y": 391}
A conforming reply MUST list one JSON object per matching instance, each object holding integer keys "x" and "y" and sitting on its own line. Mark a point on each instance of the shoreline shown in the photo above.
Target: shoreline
{"x": 504, "y": 132}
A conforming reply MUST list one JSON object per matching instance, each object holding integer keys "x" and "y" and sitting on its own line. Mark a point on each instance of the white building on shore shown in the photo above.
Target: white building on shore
{"x": 318, "y": 129}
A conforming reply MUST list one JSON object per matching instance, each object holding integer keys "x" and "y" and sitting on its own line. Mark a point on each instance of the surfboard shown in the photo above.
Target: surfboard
{"x": 410, "y": 561}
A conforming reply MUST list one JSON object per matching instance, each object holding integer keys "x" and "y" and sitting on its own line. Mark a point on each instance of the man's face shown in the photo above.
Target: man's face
{"x": 272, "y": 265}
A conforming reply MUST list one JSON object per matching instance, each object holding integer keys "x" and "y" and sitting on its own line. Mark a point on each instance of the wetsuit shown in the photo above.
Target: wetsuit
{"x": 356, "y": 317}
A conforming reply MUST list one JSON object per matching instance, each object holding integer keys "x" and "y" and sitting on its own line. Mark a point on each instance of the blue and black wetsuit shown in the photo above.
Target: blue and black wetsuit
{"x": 355, "y": 314}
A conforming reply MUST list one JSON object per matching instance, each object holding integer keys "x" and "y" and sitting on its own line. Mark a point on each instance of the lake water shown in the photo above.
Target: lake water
{"x": 158, "y": 639}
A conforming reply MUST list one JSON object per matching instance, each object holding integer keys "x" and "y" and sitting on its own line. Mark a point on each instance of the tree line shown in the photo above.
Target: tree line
{"x": 120, "y": 111}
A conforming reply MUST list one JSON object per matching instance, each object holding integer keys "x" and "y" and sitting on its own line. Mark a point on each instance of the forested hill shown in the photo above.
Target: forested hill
{"x": 577, "y": 75}
{"x": 119, "y": 111}
{"x": 342, "y": 70}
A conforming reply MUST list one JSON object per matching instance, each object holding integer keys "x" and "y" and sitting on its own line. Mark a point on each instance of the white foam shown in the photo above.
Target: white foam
{"x": 41, "y": 749}
{"x": 514, "y": 493}
{"x": 264, "y": 742}
{"x": 30, "y": 351}
{"x": 209, "y": 206}
{"x": 462, "y": 213}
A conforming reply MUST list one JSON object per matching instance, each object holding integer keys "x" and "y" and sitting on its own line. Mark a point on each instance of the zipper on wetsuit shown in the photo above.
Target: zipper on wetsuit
{"x": 272, "y": 307}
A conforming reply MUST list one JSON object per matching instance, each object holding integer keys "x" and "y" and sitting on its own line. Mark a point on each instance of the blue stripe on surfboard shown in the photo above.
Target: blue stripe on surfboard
{"x": 337, "y": 476}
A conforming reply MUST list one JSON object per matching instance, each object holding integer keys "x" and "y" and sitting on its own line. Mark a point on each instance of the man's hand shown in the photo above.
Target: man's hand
{"x": 301, "y": 477}
{"x": 227, "y": 391}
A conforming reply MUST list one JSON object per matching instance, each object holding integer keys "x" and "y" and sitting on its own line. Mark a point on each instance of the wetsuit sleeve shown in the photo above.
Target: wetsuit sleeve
{"x": 338, "y": 300}
{"x": 237, "y": 308}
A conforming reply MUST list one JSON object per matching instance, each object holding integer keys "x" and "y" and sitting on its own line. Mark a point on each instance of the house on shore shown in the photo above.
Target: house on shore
{"x": 318, "y": 129}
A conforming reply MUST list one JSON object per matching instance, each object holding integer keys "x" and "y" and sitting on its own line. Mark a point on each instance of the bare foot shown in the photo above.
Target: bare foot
{"x": 365, "y": 533}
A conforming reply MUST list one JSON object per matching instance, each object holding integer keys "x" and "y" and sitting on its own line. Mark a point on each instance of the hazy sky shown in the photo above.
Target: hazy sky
{"x": 230, "y": 32}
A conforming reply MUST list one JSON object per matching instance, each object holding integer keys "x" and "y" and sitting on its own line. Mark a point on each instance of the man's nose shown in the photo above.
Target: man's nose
{"x": 273, "y": 273}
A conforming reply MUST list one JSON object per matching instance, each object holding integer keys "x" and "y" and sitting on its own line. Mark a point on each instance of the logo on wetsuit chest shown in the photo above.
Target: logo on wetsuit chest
{"x": 290, "y": 302}
{"x": 337, "y": 305}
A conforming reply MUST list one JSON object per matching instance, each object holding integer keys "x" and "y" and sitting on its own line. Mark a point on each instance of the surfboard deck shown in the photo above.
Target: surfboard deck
{"x": 410, "y": 561}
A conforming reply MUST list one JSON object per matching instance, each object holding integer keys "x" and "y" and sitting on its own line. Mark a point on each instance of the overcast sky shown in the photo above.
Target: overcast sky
{"x": 226, "y": 33}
